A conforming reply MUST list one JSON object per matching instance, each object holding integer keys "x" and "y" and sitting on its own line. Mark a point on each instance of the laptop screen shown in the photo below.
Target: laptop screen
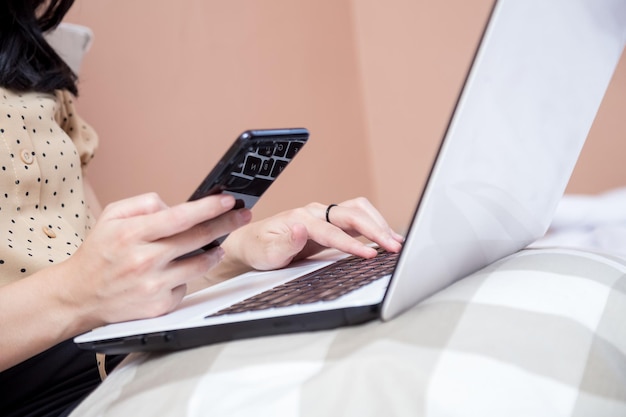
{"x": 528, "y": 103}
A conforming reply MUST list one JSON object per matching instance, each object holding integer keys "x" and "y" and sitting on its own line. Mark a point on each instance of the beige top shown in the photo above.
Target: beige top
{"x": 43, "y": 213}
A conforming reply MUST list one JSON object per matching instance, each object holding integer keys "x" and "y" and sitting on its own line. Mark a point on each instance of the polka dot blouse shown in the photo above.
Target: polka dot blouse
{"x": 43, "y": 213}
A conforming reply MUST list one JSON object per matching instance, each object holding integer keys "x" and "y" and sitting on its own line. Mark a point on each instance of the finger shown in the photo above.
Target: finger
{"x": 170, "y": 286}
{"x": 331, "y": 236}
{"x": 368, "y": 207}
{"x": 178, "y": 294}
{"x": 356, "y": 207}
{"x": 282, "y": 247}
{"x": 185, "y": 270}
{"x": 169, "y": 301}
{"x": 363, "y": 204}
{"x": 134, "y": 206}
{"x": 184, "y": 216}
{"x": 363, "y": 222}
{"x": 204, "y": 233}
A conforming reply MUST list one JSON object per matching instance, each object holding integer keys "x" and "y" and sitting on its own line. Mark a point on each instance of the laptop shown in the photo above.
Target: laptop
{"x": 529, "y": 100}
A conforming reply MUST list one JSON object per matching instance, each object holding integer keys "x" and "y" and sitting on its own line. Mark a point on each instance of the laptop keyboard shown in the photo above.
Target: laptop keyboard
{"x": 325, "y": 284}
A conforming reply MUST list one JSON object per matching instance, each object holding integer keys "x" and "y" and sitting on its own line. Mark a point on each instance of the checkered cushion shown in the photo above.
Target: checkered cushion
{"x": 539, "y": 333}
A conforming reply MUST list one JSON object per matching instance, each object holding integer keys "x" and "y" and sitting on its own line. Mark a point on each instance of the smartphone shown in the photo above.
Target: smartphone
{"x": 250, "y": 166}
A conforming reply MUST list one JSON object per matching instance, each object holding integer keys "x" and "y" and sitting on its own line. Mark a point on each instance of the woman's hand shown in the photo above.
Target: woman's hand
{"x": 128, "y": 267}
{"x": 295, "y": 234}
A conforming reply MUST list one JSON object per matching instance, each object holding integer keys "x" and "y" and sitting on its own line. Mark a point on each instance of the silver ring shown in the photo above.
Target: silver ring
{"x": 328, "y": 211}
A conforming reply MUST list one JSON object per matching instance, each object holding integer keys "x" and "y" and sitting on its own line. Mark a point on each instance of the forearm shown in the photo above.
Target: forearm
{"x": 36, "y": 314}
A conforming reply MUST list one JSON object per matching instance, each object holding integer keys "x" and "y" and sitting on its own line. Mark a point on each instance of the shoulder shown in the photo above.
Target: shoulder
{"x": 55, "y": 111}
{"x": 82, "y": 134}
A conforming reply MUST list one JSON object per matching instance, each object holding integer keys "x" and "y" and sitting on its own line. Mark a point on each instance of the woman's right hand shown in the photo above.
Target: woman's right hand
{"x": 128, "y": 267}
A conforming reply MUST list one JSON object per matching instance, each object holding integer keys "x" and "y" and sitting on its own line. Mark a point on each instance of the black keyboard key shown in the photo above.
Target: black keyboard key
{"x": 281, "y": 149}
{"x": 266, "y": 167}
{"x": 294, "y": 147}
{"x": 278, "y": 168}
{"x": 253, "y": 165}
{"x": 266, "y": 151}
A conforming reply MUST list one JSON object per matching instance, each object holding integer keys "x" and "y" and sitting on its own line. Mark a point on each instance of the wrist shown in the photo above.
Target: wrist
{"x": 36, "y": 315}
{"x": 76, "y": 311}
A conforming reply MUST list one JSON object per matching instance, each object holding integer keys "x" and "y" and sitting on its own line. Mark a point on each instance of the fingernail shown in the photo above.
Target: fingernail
{"x": 219, "y": 252}
{"x": 397, "y": 236}
{"x": 394, "y": 243}
{"x": 245, "y": 215}
{"x": 226, "y": 200}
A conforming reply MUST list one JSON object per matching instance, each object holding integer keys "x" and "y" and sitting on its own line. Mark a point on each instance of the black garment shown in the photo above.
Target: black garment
{"x": 52, "y": 383}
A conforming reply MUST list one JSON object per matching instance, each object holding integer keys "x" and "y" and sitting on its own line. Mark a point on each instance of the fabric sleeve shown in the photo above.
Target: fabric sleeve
{"x": 82, "y": 134}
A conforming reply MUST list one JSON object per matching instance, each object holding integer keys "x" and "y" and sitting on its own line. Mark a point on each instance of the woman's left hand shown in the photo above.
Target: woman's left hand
{"x": 295, "y": 234}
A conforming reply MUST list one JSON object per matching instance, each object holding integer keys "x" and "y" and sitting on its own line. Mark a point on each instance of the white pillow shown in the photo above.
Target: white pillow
{"x": 71, "y": 41}
{"x": 540, "y": 333}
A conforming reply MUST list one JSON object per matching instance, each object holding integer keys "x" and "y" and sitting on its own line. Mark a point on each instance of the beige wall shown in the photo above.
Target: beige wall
{"x": 169, "y": 86}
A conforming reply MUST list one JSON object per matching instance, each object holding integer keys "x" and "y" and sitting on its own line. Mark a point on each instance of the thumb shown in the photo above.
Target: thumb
{"x": 284, "y": 247}
{"x": 134, "y": 206}
{"x": 298, "y": 237}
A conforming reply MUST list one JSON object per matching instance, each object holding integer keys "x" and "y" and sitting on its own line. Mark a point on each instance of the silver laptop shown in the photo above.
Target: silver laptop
{"x": 531, "y": 95}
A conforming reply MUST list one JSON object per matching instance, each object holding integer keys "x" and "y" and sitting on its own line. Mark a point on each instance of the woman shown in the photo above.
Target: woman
{"x": 63, "y": 273}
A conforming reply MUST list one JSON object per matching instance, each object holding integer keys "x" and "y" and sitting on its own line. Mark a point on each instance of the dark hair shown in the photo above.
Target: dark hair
{"x": 27, "y": 61}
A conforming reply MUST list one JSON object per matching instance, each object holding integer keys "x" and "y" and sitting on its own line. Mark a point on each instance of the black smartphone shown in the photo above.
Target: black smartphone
{"x": 250, "y": 166}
